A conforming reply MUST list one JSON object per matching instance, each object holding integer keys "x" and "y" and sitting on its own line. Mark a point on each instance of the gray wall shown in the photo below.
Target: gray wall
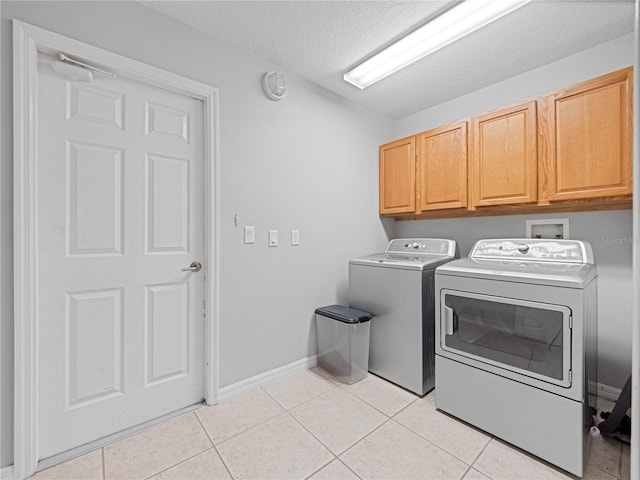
{"x": 608, "y": 232}
{"x": 308, "y": 162}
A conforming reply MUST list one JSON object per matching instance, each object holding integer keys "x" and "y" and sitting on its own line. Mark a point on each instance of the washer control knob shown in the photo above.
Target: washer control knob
{"x": 523, "y": 248}
{"x": 416, "y": 245}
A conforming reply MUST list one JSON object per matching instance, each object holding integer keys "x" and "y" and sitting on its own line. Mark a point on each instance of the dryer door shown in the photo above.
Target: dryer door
{"x": 520, "y": 338}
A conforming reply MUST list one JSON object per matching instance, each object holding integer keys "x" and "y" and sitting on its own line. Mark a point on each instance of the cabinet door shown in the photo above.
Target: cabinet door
{"x": 442, "y": 167}
{"x": 587, "y": 137}
{"x": 398, "y": 176}
{"x": 504, "y": 156}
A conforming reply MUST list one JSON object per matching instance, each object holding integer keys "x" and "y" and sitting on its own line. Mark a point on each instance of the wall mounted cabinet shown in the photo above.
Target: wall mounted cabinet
{"x": 569, "y": 150}
{"x": 586, "y": 131}
{"x": 442, "y": 167}
{"x": 425, "y": 172}
{"x": 398, "y": 176}
{"x": 504, "y": 157}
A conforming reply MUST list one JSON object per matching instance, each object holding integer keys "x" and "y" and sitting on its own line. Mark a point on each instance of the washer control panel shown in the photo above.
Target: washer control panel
{"x": 433, "y": 246}
{"x": 566, "y": 251}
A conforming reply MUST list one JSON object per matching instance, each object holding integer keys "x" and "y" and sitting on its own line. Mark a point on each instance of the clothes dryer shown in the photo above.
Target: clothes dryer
{"x": 516, "y": 344}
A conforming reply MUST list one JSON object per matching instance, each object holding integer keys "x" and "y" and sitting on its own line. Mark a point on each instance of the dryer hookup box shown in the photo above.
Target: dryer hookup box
{"x": 343, "y": 342}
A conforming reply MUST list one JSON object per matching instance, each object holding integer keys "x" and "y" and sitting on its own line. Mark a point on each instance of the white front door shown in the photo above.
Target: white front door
{"x": 120, "y": 214}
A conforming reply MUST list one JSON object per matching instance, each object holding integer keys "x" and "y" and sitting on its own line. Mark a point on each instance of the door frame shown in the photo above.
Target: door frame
{"x": 28, "y": 42}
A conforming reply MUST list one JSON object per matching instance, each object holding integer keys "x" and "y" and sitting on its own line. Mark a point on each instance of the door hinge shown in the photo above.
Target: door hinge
{"x": 570, "y": 321}
{"x": 570, "y": 376}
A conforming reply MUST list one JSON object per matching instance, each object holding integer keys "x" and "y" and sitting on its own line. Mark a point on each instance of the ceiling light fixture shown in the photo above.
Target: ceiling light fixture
{"x": 452, "y": 25}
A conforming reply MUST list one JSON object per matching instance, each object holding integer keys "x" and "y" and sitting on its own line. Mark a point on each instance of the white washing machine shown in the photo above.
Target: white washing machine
{"x": 516, "y": 344}
{"x": 396, "y": 286}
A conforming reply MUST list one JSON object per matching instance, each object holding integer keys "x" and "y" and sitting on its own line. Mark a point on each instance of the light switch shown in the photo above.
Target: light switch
{"x": 273, "y": 238}
{"x": 249, "y": 234}
{"x": 295, "y": 237}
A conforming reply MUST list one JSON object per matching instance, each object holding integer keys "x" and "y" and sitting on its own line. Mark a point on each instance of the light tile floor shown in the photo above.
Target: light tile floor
{"x": 309, "y": 426}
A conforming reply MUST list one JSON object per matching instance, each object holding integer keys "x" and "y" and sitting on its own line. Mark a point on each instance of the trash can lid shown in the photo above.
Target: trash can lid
{"x": 344, "y": 314}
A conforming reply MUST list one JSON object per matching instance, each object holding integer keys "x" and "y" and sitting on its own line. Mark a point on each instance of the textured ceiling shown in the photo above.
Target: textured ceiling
{"x": 320, "y": 40}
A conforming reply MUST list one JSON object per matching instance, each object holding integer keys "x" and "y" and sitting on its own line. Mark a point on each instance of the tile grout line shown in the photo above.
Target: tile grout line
{"x": 348, "y": 468}
{"x": 337, "y": 456}
{"x": 304, "y": 401}
{"x": 323, "y": 466}
{"x": 283, "y": 410}
{"x": 342, "y": 386}
{"x": 469, "y": 468}
{"x": 534, "y": 458}
{"x": 213, "y": 445}
{"x": 367, "y": 435}
{"x": 373, "y": 406}
{"x": 363, "y": 401}
{"x": 472, "y": 465}
{"x": 392, "y": 417}
{"x": 317, "y": 439}
{"x": 442, "y": 448}
{"x": 179, "y": 463}
{"x": 104, "y": 467}
{"x": 190, "y": 457}
{"x": 433, "y": 444}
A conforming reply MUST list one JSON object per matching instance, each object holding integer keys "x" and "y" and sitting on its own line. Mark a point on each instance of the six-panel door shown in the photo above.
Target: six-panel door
{"x": 120, "y": 213}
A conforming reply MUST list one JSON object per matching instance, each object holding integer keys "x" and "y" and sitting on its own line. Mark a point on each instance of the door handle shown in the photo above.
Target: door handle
{"x": 194, "y": 267}
{"x": 447, "y": 319}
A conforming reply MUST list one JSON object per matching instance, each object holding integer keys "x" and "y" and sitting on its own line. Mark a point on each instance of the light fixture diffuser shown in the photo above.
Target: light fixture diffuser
{"x": 452, "y": 25}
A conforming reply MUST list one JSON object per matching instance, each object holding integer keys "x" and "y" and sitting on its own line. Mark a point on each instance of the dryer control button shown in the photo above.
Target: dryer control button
{"x": 523, "y": 248}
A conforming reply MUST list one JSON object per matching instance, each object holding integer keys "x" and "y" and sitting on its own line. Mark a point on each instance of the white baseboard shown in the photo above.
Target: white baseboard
{"x": 6, "y": 473}
{"x": 225, "y": 393}
{"x": 607, "y": 392}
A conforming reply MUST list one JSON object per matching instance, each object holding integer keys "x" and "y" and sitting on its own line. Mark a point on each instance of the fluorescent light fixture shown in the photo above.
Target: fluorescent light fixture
{"x": 452, "y": 25}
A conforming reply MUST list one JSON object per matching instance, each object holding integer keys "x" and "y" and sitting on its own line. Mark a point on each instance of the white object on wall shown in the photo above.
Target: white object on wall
{"x": 557, "y": 228}
{"x": 275, "y": 85}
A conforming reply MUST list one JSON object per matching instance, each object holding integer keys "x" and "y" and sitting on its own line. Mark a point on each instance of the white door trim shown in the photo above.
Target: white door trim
{"x": 28, "y": 41}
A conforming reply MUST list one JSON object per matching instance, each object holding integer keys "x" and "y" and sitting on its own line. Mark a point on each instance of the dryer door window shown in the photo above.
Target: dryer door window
{"x": 524, "y": 337}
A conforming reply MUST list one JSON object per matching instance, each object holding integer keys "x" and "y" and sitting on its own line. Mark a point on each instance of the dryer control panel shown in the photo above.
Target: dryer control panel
{"x": 540, "y": 250}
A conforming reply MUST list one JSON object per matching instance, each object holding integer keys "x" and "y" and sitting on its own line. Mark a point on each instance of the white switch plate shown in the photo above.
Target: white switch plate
{"x": 249, "y": 234}
{"x": 295, "y": 237}
{"x": 273, "y": 238}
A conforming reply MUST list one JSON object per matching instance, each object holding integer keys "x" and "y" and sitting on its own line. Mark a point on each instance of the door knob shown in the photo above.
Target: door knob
{"x": 194, "y": 267}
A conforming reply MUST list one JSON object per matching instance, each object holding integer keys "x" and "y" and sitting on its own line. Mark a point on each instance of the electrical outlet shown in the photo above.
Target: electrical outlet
{"x": 295, "y": 237}
{"x": 249, "y": 234}
{"x": 273, "y": 238}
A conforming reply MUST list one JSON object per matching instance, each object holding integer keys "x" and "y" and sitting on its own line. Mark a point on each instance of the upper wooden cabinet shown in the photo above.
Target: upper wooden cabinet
{"x": 398, "y": 176}
{"x": 442, "y": 167}
{"x": 586, "y": 132}
{"x": 504, "y": 157}
{"x": 569, "y": 150}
